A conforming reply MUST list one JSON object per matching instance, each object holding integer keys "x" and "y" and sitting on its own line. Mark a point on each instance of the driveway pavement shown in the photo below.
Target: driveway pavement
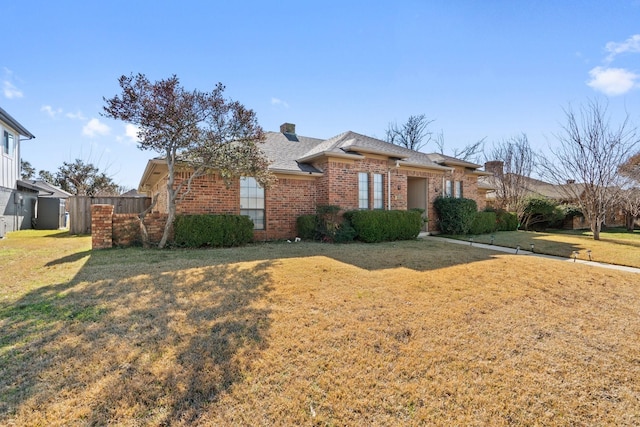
{"x": 529, "y": 253}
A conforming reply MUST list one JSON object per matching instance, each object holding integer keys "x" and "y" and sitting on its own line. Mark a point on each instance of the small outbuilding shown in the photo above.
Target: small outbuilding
{"x": 51, "y": 205}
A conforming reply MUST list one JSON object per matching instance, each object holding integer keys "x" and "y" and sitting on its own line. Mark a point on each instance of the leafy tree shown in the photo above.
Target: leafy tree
{"x": 540, "y": 213}
{"x": 586, "y": 163}
{"x": 411, "y": 134}
{"x": 84, "y": 179}
{"x": 47, "y": 177}
{"x": 200, "y": 130}
{"x": 26, "y": 170}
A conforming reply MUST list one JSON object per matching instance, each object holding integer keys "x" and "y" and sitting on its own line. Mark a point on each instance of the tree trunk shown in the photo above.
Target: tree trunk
{"x": 630, "y": 222}
{"x": 595, "y": 227}
{"x": 143, "y": 228}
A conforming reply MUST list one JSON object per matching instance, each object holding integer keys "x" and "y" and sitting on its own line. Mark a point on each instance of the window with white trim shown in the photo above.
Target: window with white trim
{"x": 363, "y": 190}
{"x": 448, "y": 189}
{"x": 378, "y": 191}
{"x": 252, "y": 201}
{"x": 458, "y": 192}
{"x": 7, "y": 143}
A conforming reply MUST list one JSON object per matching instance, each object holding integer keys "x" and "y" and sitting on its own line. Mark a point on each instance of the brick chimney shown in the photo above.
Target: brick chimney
{"x": 495, "y": 166}
{"x": 288, "y": 128}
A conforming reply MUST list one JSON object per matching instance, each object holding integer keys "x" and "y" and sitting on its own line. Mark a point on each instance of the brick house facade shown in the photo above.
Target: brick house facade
{"x": 350, "y": 171}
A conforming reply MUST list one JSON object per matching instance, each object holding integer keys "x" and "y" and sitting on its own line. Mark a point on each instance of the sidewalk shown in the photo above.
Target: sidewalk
{"x": 529, "y": 253}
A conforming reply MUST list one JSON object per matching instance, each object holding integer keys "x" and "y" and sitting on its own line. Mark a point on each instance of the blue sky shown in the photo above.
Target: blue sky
{"x": 491, "y": 69}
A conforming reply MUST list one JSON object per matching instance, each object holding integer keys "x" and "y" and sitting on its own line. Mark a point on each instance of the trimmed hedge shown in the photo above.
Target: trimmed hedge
{"x": 384, "y": 226}
{"x": 307, "y": 226}
{"x": 484, "y": 223}
{"x": 507, "y": 221}
{"x": 196, "y": 231}
{"x": 455, "y": 215}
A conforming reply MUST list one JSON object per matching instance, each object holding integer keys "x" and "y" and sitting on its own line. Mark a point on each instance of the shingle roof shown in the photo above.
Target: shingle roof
{"x": 288, "y": 155}
{"x": 45, "y": 189}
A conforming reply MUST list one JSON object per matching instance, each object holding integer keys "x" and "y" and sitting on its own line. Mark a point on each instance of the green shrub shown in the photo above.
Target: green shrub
{"x": 506, "y": 221}
{"x": 455, "y": 215}
{"x": 307, "y": 226}
{"x": 541, "y": 213}
{"x": 484, "y": 223}
{"x": 384, "y": 226}
{"x": 196, "y": 231}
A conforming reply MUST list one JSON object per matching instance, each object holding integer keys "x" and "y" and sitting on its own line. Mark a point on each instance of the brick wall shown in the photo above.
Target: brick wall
{"x": 101, "y": 226}
{"x": 109, "y": 229}
{"x": 126, "y": 228}
{"x": 292, "y": 196}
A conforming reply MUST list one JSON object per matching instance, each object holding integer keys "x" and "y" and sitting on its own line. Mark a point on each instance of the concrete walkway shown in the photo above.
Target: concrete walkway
{"x": 529, "y": 253}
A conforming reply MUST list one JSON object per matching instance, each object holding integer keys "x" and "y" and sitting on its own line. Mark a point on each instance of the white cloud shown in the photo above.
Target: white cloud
{"x": 76, "y": 116}
{"x": 276, "y": 101}
{"x": 613, "y": 81}
{"x": 10, "y": 91}
{"x": 95, "y": 127}
{"x": 632, "y": 44}
{"x": 131, "y": 132}
{"x": 51, "y": 111}
{"x": 8, "y": 88}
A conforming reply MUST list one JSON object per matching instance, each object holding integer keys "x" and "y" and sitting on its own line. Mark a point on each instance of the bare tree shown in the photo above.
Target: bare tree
{"x": 585, "y": 164}
{"x": 631, "y": 195}
{"x": 469, "y": 153}
{"x": 513, "y": 162}
{"x": 413, "y": 134}
{"x": 202, "y": 131}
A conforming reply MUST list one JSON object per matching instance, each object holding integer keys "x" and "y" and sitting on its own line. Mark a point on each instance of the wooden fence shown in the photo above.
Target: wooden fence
{"x": 80, "y": 209}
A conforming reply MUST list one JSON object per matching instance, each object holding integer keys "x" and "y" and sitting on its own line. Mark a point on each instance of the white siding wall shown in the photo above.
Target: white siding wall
{"x": 9, "y": 163}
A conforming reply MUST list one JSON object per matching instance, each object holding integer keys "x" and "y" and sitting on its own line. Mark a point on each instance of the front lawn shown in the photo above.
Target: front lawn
{"x": 614, "y": 247}
{"x": 404, "y": 333}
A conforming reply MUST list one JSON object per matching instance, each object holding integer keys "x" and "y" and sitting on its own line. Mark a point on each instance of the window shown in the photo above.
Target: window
{"x": 448, "y": 189}
{"x": 252, "y": 201}
{"x": 363, "y": 190}
{"x": 458, "y": 193}
{"x": 378, "y": 192}
{"x": 7, "y": 143}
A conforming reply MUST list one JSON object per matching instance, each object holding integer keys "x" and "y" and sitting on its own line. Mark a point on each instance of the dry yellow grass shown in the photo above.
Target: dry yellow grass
{"x": 614, "y": 247}
{"x": 408, "y": 333}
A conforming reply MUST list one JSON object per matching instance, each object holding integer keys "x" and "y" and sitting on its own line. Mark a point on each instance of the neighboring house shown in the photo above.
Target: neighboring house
{"x": 350, "y": 170}
{"x": 51, "y": 212}
{"x": 16, "y": 203}
{"x": 560, "y": 193}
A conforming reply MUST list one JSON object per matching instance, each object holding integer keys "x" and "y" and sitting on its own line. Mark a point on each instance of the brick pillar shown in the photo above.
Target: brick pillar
{"x": 101, "y": 226}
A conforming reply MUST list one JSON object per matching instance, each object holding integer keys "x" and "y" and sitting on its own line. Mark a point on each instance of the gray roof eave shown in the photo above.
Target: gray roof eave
{"x": 6, "y": 117}
{"x": 388, "y": 153}
{"x": 293, "y": 172}
{"x": 311, "y": 157}
{"x": 426, "y": 166}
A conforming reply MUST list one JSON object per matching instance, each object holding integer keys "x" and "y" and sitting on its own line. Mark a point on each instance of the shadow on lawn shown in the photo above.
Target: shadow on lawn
{"x": 153, "y": 343}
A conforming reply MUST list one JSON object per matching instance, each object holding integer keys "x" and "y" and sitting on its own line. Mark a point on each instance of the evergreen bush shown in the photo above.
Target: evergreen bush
{"x": 484, "y": 222}
{"x": 455, "y": 215}
{"x": 195, "y": 231}
{"x": 383, "y": 226}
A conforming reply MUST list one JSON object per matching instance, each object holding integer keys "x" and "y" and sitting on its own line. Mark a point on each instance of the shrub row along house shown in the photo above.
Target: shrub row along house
{"x": 350, "y": 170}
